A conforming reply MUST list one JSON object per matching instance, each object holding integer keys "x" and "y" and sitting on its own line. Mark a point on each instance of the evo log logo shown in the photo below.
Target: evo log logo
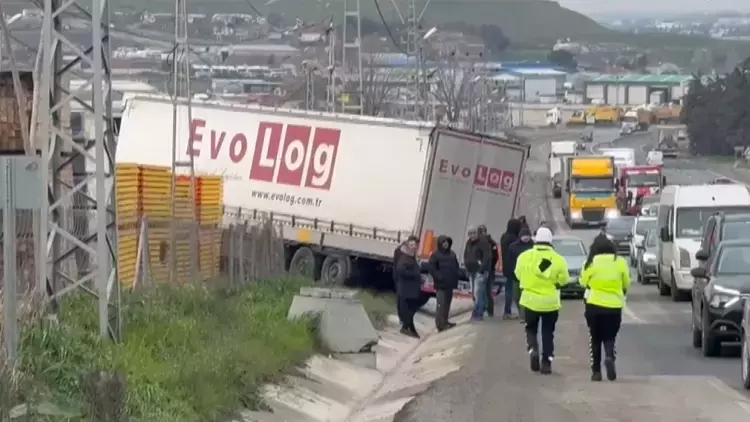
{"x": 293, "y": 155}
{"x": 482, "y": 176}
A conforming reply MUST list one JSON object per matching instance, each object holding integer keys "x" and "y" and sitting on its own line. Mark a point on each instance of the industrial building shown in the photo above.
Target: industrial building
{"x": 636, "y": 89}
{"x": 534, "y": 84}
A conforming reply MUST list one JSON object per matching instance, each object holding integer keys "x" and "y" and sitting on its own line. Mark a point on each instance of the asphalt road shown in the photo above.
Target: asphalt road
{"x": 661, "y": 376}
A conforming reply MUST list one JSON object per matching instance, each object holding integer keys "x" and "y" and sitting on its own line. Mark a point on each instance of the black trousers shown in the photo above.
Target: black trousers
{"x": 444, "y": 297}
{"x": 547, "y": 321}
{"x": 407, "y": 307}
{"x": 604, "y": 324}
{"x": 490, "y": 300}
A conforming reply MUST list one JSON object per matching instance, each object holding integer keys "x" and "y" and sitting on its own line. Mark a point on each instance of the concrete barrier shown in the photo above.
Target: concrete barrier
{"x": 332, "y": 389}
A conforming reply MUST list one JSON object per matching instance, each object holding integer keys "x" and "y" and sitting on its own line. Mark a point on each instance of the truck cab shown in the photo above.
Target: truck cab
{"x": 589, "y": 198}
{"x": 639, "y": 182}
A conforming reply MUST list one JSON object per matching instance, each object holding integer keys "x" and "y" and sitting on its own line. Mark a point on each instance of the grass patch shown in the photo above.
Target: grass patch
{"x": 192, "y": 353}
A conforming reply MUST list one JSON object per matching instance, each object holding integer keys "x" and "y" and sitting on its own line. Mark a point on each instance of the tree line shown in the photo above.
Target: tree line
{"x": 716, "y": 111}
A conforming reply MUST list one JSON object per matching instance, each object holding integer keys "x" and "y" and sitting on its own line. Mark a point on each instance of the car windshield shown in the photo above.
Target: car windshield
{"x": 642, "y": 226}
{"x": 733, "y": 260}
{"x": 651, "y": 238}
{"x": 734, "y": 230}
{"x": 569, "y": 247}
{"x": 619, "y": 225}
{"x": 592, "y": 184}
{"x": 690, "y": 221}
{"x": 648, "y": 180}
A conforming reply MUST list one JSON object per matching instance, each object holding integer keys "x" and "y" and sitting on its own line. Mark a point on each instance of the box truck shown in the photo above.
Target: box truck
{"x": 346, "y": 189}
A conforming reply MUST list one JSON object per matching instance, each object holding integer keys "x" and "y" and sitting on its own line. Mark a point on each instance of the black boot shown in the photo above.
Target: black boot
{"x": 533, "y": 348}
{"x": 534, "y": 360}
{"x": 609, "y": 360}
{"x": 546, "y": 368}
{"x": 596, "y": 376}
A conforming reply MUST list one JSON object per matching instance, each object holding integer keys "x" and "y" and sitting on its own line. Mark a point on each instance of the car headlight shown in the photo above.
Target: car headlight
{"x": 576, "y": 215}
{"x": 649, "y": 258}
{"x": 722, "y": 297}
{"x": 612, "y": 213}
{"x": 684, "y": 258}
{"x": 609, "y": 236}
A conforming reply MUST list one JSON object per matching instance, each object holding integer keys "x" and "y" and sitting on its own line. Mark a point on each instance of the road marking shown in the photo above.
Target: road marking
{"x": 632, "y": 315}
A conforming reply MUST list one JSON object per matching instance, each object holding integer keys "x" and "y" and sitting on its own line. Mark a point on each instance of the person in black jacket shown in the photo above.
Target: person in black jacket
{"x": 512, "y": 290}
{"x": 511, "y": 235}
{"x": 409, "y": 287}
{"x": 490, "y": 300}
{"x": 477, "y": 261}
{"x": 396, "y": 255}
{"x": 444, "y": 269}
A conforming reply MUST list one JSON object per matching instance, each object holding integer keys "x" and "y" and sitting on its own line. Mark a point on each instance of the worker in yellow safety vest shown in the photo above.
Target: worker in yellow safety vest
{"x": 541, "y": 272}
{"x": 606, "y": 278}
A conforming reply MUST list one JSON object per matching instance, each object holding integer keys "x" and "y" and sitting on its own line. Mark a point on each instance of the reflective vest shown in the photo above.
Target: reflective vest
{"x": 606, "y": 281}
{"x": 540, "y": 286}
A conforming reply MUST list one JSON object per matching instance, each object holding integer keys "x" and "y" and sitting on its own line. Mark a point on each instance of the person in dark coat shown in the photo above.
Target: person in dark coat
{"x": 512, "y": 290}
{"x": 409, "y": 287}
{"x": 494, "y": 257}
{"x": 444, "y": 269}
{"x": 477, "y": 261}
{"x": 396, "y": 255}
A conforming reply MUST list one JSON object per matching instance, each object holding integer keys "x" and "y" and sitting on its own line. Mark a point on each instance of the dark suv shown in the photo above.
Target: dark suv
{"x": 720, "y": 288}
{"x": 721, "y": 227}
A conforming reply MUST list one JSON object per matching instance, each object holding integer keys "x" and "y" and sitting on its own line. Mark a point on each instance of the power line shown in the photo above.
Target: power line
{"x": 388, "y": 29}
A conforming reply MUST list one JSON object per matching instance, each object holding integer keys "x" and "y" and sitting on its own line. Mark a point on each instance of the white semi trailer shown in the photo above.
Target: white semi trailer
{"x": 347, "y": 189}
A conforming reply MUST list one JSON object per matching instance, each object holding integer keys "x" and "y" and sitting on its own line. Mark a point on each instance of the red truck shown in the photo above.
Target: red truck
{"x": 640, "y": 181}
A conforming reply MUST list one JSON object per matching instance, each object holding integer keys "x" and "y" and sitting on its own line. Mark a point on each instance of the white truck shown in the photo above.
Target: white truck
{"x": 624, "y": 157}
{"x": 346, "y": 189}
{"x": 558, "y": 151}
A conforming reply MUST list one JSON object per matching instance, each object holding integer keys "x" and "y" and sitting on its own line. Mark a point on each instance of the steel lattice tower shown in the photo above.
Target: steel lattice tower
{"x": 80, "y": 176}
{"x": 351, "y": 58}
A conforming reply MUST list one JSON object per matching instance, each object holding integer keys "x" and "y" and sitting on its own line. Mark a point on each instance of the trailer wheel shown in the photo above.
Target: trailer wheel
{"x": 303, "y": 263}
{"x": 336, "y": 270}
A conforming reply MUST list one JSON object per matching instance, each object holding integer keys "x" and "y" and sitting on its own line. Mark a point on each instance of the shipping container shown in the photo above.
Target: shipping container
{"x": 347, "y": 189}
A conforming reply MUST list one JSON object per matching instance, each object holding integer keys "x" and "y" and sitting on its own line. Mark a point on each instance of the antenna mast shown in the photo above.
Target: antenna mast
{"x": 351, "y": 58}
{"x": 181, "y": 93}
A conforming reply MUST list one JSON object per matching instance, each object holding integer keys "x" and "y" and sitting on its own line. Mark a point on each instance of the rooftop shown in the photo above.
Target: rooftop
{"x": 526, "y": 71}
{"x": 642, "y": 79}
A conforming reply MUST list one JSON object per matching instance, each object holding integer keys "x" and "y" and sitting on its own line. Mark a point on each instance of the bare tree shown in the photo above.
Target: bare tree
{"x": 380, "y": 83}
{"x": 451, "y": 85}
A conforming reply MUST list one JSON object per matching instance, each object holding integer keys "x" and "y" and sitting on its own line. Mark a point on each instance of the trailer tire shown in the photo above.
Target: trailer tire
{"x": 303, "y": 263}
{"x": 336, "y": 270}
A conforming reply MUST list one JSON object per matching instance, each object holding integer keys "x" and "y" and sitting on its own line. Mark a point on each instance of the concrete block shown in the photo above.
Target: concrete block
{"x": 365, "y": 359}
{"x": 344, "y": 326}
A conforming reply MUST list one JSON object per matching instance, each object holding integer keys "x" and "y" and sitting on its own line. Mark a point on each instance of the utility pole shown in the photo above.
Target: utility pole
{"x": 331, "y": 68}
{"x": 94, "y": 184}
{"x": 182, "y": 117}
{"x": 351, "y": 59}
{"x": 310, "y": 69}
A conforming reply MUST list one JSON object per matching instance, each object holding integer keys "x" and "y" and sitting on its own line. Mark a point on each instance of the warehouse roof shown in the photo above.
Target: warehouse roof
{"x": 642, "y": 79}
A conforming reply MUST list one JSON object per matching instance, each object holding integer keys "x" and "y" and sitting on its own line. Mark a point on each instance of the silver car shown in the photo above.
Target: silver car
{"x": 574, "y": 251}
{"x": 642, "y": 225}
{"x": 646, "y": 262}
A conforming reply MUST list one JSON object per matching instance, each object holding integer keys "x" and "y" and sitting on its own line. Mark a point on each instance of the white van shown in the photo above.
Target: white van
{"x": 683, "y": 211}
{"x": 655, "y": 158}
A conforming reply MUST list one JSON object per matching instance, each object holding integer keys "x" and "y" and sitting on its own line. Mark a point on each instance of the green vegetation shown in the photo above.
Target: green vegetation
{"x": 191, "y": 352}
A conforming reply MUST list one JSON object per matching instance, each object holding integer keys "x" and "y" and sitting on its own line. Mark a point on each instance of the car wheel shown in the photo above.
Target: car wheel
{"x": 745, "y": 363}
{"x": 697, "y": 334}
{"x": 710, "y": 346}
{"x": 664, "y": 290}
{"x": 677, "y": 295}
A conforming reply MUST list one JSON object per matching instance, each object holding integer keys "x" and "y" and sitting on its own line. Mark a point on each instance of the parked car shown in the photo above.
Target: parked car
{"x": 620, "y": 231}
{"x": 721, "y": 227}
{"x": 574, "y": 252}
{"x": 642, "y": 225}
{"x": 719, "y": 290}
{"x": 646, "y": 268}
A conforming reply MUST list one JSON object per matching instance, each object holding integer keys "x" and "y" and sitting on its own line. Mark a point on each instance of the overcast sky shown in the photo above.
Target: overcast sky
{"x": 636, "y": 6}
